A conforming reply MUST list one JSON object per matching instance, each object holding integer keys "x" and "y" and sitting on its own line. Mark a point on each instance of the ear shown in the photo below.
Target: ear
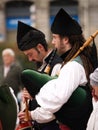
{"x": 40, "y": 47}
{"x": 66, "y": 40}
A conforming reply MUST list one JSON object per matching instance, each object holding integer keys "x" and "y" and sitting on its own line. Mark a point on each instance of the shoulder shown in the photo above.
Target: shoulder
{"x": 15, "y": 69}
{"x": 73, "y": 66}
{"x": 56, "y": 69}
{"x": 16, "y": 66}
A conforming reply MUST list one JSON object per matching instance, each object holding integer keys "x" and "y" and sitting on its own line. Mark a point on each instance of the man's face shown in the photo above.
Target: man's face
{"x": 59, "y": 43}
{"x": 95, "y": 92}
{"x": 7, "y": 59}
{"x": 34, "y": 55}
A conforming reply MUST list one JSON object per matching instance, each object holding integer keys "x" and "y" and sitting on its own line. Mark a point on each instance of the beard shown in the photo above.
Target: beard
{"x": 38, "y": 64}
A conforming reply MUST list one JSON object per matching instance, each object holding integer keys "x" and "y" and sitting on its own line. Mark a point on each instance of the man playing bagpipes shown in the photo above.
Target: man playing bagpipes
{"x": 68, "y": 97}
{"x": 33, "y": 44}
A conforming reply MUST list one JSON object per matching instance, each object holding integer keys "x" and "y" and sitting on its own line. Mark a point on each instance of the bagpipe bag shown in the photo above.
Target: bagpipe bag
{"x": 34, "y": 80}
{"x": 8, "y": 109}
{"x": 77, "y": 108}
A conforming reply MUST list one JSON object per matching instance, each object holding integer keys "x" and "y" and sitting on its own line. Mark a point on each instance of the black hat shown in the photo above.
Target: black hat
{"x": 63, "y": 24}
{"x": 28, "y": 37}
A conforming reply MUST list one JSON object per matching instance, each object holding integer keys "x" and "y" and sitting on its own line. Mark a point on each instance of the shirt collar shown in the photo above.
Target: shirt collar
{"x": 64, "y": 55}
{"x": 47, "y": 57}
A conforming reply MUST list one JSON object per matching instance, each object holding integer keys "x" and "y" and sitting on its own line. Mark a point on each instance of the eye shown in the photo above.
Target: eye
{"x": 54, "y": 37}
{"x": 30, "y": 54}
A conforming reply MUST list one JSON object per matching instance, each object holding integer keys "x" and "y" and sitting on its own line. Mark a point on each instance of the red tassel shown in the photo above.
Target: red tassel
{"x": 64, "y": 127}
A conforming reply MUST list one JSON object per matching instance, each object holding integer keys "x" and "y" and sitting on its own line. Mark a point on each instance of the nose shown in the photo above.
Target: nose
{"x": 53, "y": 41}
{"x": 30, "y": 59}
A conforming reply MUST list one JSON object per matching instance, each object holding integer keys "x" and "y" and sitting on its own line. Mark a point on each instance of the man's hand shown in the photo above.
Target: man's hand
{"x": 22, "y": 116}
{"x": 26, "y": 95}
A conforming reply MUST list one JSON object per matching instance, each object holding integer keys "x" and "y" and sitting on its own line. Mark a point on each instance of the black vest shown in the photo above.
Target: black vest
{"x": 56, "y": 59}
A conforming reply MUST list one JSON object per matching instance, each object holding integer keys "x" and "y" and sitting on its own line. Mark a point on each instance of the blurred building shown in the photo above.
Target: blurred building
{"x": 40, "y": 14}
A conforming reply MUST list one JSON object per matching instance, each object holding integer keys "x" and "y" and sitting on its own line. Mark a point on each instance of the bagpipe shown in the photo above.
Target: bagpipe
{"x": 27, "y": 124}
{"x": 34, "y": 80}
{"x": 8, "y": 109}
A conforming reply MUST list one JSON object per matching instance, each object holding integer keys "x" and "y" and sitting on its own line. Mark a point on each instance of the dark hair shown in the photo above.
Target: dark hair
{"x": 76, "y": 42}
{"x": 44, "y": 44}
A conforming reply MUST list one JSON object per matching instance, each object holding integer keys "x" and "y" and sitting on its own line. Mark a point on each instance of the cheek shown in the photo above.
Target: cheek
{"x": 6, "y": 59}
{"x": 96, "y": 91}
{"x": 54, "y": 40}
{"x": 36, "y": 57}
{"x": 40, "y": 57}
{"x": 29, "y": 58}
{"x": 57, "y": 43}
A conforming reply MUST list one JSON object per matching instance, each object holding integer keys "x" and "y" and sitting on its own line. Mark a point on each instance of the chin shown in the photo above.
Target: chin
{"x": 59, "y": 52}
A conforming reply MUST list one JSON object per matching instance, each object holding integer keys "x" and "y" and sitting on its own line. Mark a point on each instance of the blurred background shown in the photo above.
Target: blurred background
{"x": 40, "y": 14}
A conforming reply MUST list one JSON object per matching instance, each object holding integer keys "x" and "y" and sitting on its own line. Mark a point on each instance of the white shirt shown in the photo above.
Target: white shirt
{"x": 56, "y": 68}
{"x": 12, "y": 92}
{"x": 93, "y": 120}
{"x": 6, "y": 70}
{"x": 57, "y": 92}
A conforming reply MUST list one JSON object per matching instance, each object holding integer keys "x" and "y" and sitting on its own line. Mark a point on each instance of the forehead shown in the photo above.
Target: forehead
{"x": 7, "y": 55}
{"x": 95, "y": 87}
{"x": 56, "y": 35}
{"x": 32, "y": 50}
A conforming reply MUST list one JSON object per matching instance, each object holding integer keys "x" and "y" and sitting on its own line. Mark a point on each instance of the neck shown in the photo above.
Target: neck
{"x": 7, "y": 65}
{"x": 47, "y": 53}
{"x": 64, "y": 50}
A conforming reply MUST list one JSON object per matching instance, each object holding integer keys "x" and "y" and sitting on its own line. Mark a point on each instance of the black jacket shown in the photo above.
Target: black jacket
{"x": 13, "y": 78}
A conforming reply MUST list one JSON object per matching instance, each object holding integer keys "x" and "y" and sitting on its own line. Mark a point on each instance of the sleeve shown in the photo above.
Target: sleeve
{"x": 56, "y": 69}
{"x": 41, "y": 115}
{"x": 93, "y": 120}
{"x": 12, "y": 92}
{"x": 57, "y": 92}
